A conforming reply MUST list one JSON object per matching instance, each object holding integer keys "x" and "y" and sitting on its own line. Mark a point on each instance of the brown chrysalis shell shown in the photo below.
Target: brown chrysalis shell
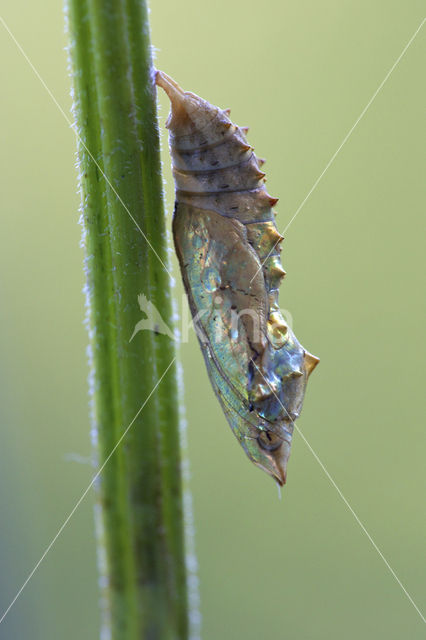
{"x": 229, "y": 252}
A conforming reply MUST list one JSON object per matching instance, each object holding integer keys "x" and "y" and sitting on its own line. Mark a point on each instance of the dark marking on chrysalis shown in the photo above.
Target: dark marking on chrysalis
{"x": 226, "y": 241}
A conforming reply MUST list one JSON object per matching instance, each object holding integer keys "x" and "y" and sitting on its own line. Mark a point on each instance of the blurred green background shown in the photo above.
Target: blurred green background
{"x": 299, "y": 74}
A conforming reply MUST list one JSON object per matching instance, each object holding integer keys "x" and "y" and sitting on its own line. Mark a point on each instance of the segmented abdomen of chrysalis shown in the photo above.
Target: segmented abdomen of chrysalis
{"x": 229, "y": 252}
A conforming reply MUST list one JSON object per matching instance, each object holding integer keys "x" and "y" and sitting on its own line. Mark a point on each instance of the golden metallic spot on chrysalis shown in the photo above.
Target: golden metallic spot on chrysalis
{"x": 277, "y": 329}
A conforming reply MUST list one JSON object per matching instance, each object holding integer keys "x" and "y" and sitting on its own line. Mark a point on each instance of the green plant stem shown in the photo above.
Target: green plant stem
{"x": 140, "y": 526}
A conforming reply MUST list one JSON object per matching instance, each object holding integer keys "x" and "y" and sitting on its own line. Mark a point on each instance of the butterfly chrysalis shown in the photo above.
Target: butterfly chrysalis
{"x": 229, "y": 253}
